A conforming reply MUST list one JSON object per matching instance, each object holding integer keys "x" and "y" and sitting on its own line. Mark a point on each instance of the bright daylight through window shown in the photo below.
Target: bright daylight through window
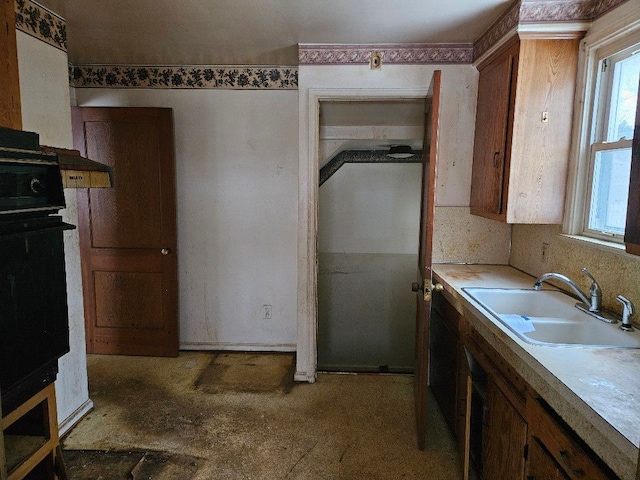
{"x": 611, "y": 137}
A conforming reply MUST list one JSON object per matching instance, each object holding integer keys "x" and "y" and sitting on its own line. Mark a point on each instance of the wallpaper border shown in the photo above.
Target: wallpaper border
{"x": 527, "y": 12}
{"x": 313, "y": 54}
{"x": 184, "y": 77}
{"x": 41, "y": 23}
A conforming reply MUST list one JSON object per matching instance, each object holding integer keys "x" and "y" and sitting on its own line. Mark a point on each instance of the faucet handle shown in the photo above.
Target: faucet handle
{"x": 627, "y": 311}
{"x": 588, "y": 274}
{"x": 595, "y": 292}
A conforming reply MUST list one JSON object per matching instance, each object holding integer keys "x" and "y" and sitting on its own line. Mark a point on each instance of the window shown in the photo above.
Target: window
{"x": 609, "y": 155}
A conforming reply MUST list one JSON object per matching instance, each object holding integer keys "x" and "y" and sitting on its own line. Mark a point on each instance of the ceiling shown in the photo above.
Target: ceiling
{"x": 257, "y": 32}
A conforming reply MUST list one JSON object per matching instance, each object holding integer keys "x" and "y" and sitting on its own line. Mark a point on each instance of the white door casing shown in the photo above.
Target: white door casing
{"x": 308, "y": 169}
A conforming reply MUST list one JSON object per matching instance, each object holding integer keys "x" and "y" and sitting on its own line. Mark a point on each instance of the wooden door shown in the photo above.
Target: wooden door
{"x": 128, "y": 232}
{"x": 429, "y": 160}
{"x": 490, "y": 146}
{"x": 504, "y": 437}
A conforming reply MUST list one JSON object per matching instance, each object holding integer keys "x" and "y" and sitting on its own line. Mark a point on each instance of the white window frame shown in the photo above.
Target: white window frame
{"x": 594, "y": 48}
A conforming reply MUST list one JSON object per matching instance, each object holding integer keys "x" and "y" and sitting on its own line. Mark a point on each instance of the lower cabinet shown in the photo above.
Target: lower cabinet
{"x": 443, "y": 365}
{"x": 463, "y": 407}
{"x": 541, "y": 464}
{"x": 503, "y": 428}
{"x": 505, "y": 437}
{"x": 559, "y": 448}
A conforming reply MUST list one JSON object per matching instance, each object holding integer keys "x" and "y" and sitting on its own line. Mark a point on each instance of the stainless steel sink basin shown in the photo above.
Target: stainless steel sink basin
{"x": 549, "y": 317}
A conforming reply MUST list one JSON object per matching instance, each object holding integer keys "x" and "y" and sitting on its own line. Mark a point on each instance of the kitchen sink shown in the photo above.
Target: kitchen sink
{"x": 549, "y": 317}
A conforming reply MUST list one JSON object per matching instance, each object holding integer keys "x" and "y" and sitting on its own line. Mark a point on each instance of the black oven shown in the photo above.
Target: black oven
{"x": 34, "y": 327}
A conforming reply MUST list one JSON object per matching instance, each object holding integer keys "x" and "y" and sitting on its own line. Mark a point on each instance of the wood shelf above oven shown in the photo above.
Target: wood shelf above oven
{"x": 80, "y": 172}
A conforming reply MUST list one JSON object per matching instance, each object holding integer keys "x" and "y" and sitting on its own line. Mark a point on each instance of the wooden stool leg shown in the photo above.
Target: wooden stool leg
{"x": 59, "y": 467}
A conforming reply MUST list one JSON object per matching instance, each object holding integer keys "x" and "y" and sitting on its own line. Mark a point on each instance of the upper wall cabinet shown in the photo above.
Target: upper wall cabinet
{"x": 523, "y": 130}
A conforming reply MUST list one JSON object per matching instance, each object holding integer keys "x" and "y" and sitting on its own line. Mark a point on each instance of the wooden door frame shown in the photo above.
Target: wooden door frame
{"x": 308, "y": 174}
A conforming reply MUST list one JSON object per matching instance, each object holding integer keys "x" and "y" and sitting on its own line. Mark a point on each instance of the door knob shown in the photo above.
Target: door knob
{"x": 165, "y": 251}
{"x": 428, "y": 289}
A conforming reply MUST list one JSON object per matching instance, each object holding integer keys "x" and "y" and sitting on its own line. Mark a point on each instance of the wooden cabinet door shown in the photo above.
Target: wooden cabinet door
{"x": 463, "y": 409}
{"x": 490, "y": 148}
{"x": 443, "y": 365}
{"x": 541, "y": 465}
{"x": 504, "y": 438}
{"x": 568, "y": 452}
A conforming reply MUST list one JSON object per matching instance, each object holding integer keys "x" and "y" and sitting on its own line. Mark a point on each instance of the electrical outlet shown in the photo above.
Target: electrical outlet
{"x": 267, "y": 312}
{"x": 545, "y": 252}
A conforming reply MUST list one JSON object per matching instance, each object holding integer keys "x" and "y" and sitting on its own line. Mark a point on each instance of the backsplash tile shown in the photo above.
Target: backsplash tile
{"x": 459, "y": 237}
{"x": 616, "y": 273}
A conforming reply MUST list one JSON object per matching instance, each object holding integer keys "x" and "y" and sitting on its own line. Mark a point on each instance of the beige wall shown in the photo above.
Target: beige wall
{"x": 236, "y": 175}
{"x": 46, "y": 109}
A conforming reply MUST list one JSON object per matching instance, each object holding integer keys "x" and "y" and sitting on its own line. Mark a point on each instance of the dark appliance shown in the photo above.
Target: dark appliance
{"x": 34, "y": 326}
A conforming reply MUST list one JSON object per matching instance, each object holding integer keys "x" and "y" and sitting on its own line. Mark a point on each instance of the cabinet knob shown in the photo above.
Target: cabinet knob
{"x": 165, "y": 251}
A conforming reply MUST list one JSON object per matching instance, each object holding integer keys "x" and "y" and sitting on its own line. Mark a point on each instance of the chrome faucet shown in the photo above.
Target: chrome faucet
{"x": 595, "y": 293}
{"x": 593, "y": 302}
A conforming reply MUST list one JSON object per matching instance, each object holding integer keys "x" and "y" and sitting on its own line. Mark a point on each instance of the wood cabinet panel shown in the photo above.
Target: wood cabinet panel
{"x": 504, "y": 439}
{"x": 463, "y": 409}
{"x": 542, "y": 122}
{"x": 541, "y": 465}
{"x": 568, "y": 452}
{"x": 443, "y": 366}
{"x": 490, "y": 147}
{"x": 10, "y": 108}
{"x": 525, "y": 102}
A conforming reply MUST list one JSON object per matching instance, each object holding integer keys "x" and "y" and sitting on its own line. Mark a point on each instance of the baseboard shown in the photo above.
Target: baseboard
{"x": 239, "y": 347}
{"x": 71, "y": 421}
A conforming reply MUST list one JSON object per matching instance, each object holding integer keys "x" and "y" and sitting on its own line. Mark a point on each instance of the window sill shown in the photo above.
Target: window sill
{"x": 603, "y": 245}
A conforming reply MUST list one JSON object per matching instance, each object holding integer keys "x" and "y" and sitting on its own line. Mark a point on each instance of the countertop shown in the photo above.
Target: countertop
{"x": 595, "y": 390}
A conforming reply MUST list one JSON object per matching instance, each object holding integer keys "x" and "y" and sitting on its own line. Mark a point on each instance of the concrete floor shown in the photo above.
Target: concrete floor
{"x": 341, "y": 427}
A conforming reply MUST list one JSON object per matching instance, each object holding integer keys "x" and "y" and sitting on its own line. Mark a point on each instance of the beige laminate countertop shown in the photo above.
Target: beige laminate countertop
{"x": 595, "y": 390}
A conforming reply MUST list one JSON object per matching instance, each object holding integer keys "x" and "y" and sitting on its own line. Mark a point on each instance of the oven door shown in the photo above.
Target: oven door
{"x": 34, "y": 327}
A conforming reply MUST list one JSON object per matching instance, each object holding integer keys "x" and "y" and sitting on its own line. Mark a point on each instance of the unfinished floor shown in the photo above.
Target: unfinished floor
{"x": 208, "y": 415}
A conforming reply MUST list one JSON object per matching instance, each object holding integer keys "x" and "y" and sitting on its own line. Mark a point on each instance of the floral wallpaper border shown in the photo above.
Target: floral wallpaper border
{"x": 41, "y": 23}
{"x": 184, "y": 77}
{"x": 525, "y": 12}
{"x": 311, "y": 54}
